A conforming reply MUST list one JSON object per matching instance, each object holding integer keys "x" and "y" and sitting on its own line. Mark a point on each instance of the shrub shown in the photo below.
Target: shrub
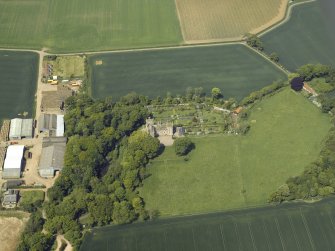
{"x": 183, "y": 146}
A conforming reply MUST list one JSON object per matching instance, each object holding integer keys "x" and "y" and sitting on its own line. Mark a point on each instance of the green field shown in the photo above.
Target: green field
{"x": 298, "y": 227}
{"x": 83, "y": 25}
{"x": 226, "y": 172}
{"x": 308, "y": 37}
{"x": 18, "y": 80}
{"x": 236, "y": 69}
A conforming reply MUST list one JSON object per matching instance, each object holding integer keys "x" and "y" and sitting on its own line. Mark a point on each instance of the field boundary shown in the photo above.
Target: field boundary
{"x": 189, "y": 43}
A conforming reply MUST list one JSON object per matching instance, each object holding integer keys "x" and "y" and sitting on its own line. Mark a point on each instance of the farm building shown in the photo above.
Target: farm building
{"x": 53, "y": 101}
{"x": 52, "y": 157}
{"x": 13, "y": 162}
{"x": 21, "y": 128}
{"x": 10, "y": 199}
{"x": 52, "y": 124}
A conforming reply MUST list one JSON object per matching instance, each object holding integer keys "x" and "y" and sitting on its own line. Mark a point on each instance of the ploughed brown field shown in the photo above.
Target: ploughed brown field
{"x": 224, "y": 20}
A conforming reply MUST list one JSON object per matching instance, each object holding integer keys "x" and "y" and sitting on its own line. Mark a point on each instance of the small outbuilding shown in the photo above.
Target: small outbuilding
{"x": 10, "y": 199}
{"x": 13, "y": 162}
{"x": 297, "y": 83}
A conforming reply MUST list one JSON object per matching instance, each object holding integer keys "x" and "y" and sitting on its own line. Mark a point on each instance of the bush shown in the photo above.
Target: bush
{"x": 183, "y": 146}
{"x": 255, "y": 42}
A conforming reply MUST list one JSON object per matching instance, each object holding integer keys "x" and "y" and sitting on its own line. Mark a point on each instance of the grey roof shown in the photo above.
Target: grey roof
{"x": 10, "y": 198}
{"x": 47, "y": 122}
{"x": 21, "y": 128}
{"x": 27, "y": 128}
{"x": 12, "y": 173}
{"x": 54, "y": 140}
{"x": 53, "y": 157}
{"x": 15, "y": 128}
{"x": 47, "y": 173}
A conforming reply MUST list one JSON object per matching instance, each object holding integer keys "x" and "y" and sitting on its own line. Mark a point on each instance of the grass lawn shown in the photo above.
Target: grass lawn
{"x": 29, "y": 197}
{"x": 308, "y": 37}
{"x": 235, "y": 69}
{"x": 68, "y": 66}
{"x": 18, "y": 81}
{"x": 226, "y": 172}
{"x": 83, "y": 25}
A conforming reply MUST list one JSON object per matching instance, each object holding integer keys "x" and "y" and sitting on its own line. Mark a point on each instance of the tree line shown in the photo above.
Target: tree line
{"x": 104, "y": 163}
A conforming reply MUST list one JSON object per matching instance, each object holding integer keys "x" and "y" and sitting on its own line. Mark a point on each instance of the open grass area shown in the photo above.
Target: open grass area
{"x": 207, "y": 20}
{"x": 226, "y": 172}
{"x": 18, "y": 81}
{"x": 235, "y": 69}
{"x": 29, "y": 197}
{"x": 308, "y": 37}
{"x": 295, "y": 226}
{"x": 83, "y": 25}
{"x": 68, "y": 66}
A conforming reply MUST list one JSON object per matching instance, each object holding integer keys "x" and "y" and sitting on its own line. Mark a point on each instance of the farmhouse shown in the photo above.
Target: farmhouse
{"x": 51, "y": 124}
{"x": 10, "y": 199}
{"x": 21, "y": 128}
{"x": 52, "y": 157}
{"x": 53, "y": 101}
{"x": 13, "y": 162}
{"x": 159, "y": 129}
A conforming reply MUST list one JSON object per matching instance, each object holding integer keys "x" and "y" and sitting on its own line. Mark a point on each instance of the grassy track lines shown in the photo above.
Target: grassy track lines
{"x": 234, "y": 68}
{"x": 270, "y": 228}
{"x": 18, "y": 71}
{"x": 308, "y": 37}
{"x": 84, "y": 25}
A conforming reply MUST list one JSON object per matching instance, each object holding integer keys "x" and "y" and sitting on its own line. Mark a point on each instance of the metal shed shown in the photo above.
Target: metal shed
{"x": 21, "y": 128}
{"x": 13, "y": 162}
{"x": 52, "y": 159}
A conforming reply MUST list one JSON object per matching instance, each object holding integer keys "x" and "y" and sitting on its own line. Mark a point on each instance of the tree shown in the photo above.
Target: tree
{"x": 216, "y": 93}
{"x": 274, "y": 57}
{"x": 183, "y": 146}
{"x": 122, "y": 213}
{"x": 254, "y": 41}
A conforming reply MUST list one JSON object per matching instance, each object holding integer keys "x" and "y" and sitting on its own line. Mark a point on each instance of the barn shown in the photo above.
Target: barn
{"x": 21, "y": 128}
{"x": 13, "y": 162}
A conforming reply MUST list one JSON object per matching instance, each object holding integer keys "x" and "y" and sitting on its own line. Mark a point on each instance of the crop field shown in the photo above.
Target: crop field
{"x": 83, "y": 25}
{"x": 228, "y": 172}
{"x": 308, "y": 37}
{"x": 12, "y": 224}
{"x": 208, "y": 20}
{"x": 18, "y": 80}
{"x": 295, "y": 226}
{"x": 235, "y": 69}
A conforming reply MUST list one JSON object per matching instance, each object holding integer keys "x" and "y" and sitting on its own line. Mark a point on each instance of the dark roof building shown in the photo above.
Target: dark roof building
{"x": 297, "y": 83}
